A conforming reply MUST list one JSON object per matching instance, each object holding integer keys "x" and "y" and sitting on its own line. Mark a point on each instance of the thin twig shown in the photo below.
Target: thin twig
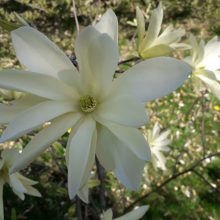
{"x": 173, "y": 177}
{"x": 101, "y": 176}
{"x": 203, "y": 124}
{"x": 75, "y": 16}
{"x": 206, "y": 181}
{"x": 129, "y": 60}
{"x": 79, "y": 208}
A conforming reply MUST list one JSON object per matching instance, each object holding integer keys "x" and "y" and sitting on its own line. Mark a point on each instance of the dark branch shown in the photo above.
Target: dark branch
{"x": 101, "y": 176}
{"x": 173, "y": 177}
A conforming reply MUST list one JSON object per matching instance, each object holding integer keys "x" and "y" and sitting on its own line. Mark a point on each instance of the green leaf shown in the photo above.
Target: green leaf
{"x": 8, "y": 25}
{"x": 13, "y": 214}
{"x": 93, "y": 183}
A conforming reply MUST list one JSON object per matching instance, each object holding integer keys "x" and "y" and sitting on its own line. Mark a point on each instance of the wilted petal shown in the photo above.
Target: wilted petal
{"x": 38, "y": 53}
{"x": 97, "y": 55}
{"x": 34, "y": 117}
{"x": 37, "y": 84}
{"x": 124, "y": 110}
{"x": 135, "y": 214}
{"x": 153, "y": 78}
{"x": 79, "y": 154}
{"x": 43, "y": 139}
{"x": 108, "y": 24}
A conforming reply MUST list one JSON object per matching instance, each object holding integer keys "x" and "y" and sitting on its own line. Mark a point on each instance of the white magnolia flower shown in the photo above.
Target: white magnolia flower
{"x": 104, "y": 114}
{"x": 158, "y": 142}
{"x": 205, "y": 59}
{"x": 133, "y": 215}
{"x": 108, "y": 24}
{"x": 151, "y": 43}
{"x": 19, "y": 184}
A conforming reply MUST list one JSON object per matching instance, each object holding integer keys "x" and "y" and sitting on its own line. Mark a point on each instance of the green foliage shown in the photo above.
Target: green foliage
{"x": 187, "y": 197}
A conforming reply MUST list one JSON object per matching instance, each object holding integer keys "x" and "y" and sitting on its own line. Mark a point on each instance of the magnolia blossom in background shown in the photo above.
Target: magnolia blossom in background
{"x": 152, "y": 44}
{"x": 104, "y": 114}
{"x": 19, "y": 184}
{"x": 158, "y": 142}
{"x": 133, "y": 215}
{"x": 205, "y": 60}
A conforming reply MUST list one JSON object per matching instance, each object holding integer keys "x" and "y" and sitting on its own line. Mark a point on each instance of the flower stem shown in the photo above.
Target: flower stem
{"x": 79, "y": 208}
{"x": 101, "y": 176}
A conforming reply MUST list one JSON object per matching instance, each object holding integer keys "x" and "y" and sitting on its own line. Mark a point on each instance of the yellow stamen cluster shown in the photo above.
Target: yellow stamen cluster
{"x": 87, "y": 103}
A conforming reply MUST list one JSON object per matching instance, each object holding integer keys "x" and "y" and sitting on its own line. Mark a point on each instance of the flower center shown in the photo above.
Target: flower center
{"x": 87, "y": 103}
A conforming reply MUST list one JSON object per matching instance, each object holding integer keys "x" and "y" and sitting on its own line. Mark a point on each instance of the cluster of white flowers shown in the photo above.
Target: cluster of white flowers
{"x": 104, "y": 113}
{"x": 19, "y": 184}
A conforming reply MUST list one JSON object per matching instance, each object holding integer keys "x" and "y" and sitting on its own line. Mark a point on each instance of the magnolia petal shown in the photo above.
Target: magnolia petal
{"x": 26, "y": 181}
{"x": 108, "y": 24}
{"x": 19, "y": 194}
{"x": 107, "y": 215}
{"x": 135, "y": 214}
{"x": 97, "y": 55}
{"x": 104, "y": 148}
{"x": 213, "y": 85}
{"x": 1, "y": 200}
{"x": 160, "y": 160}
{"x": 9, "y": 155}
{"x": 79, "y": 154}
{"x": 16, "y": 184}
{"x": 115, "y": 155}
{"x": 83, "y": 193}
{"x": 38, "y": 53}
{"x": 37, "y": 84}
{"x": 140, "y": 24}
{"x": 124, "y": 110}
{"x": 43, "y": 139}
{"x": 34, "y": 117}
{"x": 217, "y": 75}
{"x": 128, "y": 167}
{"x": 132, "y": 138}
{"x": 153, "y": 78}
{"x": 170, "y": 35}
{"x": 156, "y": 51}
{"x": 154, "y": 25}
{"x": 9, "y": 111}
{"x": 32, "y": 191}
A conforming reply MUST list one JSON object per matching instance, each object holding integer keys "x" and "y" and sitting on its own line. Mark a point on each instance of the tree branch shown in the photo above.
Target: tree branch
{"x": 129, "y": 60}
{"x": 173, "y": 177}
{"x": 101, "y": 176}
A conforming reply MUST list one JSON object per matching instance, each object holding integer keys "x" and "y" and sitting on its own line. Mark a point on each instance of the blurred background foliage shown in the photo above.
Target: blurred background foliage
{"x": 194, "y": 118}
